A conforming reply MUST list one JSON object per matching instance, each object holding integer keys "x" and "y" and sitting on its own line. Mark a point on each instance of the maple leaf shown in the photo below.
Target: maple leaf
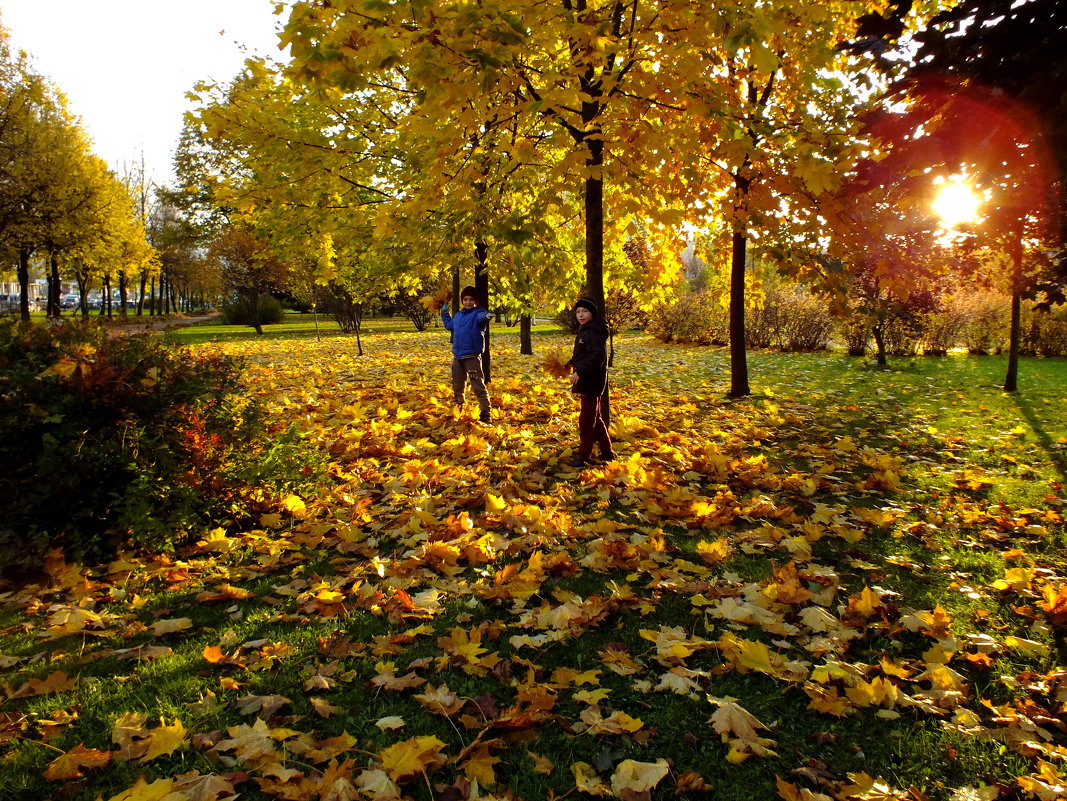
{"x": 262, "y": 705}
{"x": 161, "y": 627}
{"x": 691, "y": 782}
{"x": 130, "y": 735}
{"x": 747, "y": 655}
{"x": 324, "y": 708}
{"x": 542, "y": 765}
{"x": 249, "y": 743}
{"x": 165, "y": 740}
{"x": 737, "y": 727}
{"x": 790, "y": 792}
{"x": 616, "y": 723}
{"x": 204, "y": 787}
{"x": 587, "y": 780}
{"x": 72, "y": 620}
{"x": 681, "y": 680}
{"x": 387, "y": 679}
{"x": 478, "y": 765}
{"x": 57, "y": 682}
{"x": 441, "y": 700}
{"x": 336, "y": 783}
{"x": 632, "y": 777}
{"x": 224, "y": 592}
{"x": 69, "y": 766}
{"x": 1054, "y": 605}
{"x": 378, "y": 785}
{"x": 409, "y": 758}
{"x": 159, "y": 790}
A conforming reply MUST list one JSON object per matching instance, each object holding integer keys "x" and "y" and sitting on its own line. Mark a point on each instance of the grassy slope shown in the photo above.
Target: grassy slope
{"x": 964, "y": 483}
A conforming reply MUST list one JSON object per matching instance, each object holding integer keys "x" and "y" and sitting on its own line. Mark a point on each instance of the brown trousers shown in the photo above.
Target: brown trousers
{"x": 592, "y": 430}
{"x": 470, "y": 369}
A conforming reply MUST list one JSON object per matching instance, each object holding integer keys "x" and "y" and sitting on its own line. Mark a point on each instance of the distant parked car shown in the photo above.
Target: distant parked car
{"x": 68, "y": 302}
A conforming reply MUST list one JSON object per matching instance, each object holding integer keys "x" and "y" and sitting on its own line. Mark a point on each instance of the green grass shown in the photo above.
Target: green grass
{"x": 972, "y": 462}
{"x": 297, "y": 326}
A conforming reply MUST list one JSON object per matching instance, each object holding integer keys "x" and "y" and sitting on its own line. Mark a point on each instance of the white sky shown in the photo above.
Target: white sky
{"x": 125, "y": 65}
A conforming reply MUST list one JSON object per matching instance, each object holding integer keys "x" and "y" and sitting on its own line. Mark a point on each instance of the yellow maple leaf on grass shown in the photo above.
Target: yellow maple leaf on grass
{"x": 170, "y": 626}
{"x": 159, "y": 790}
{"x": 413, "y": 757}
{"x": 737, "y": 728}
{"x": 165, "y": 740}
{"x": 632, "y": 777}
{"x": 587, "y": 780}
{"x": 57, "y": 682}
{"x": 69, "y": 766}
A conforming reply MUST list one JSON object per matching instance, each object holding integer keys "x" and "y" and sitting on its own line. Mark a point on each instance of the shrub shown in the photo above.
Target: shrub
{"x": 854, "y": 329}
{"x": 987, "y": 316}
{"x": 114, "y": 442}
{"x": 1044, "y": 333}
{"x": 790, "y": 319}
{"x": 237, "y": 311}
{"x": 943, "y": 328}
{"x": 696, "y": 318}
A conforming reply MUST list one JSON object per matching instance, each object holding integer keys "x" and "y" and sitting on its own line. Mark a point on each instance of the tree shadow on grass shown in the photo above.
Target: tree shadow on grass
{"x": 1057, "y": 456}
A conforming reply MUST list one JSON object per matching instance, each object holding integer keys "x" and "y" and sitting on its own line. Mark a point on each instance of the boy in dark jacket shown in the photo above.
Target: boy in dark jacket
{"x": 589, "y": 379}
{"x": 468, "y": 328}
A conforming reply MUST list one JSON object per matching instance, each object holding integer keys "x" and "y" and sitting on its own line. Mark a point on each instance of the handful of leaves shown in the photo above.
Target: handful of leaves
{"x": 434, "y": 302}
{"x": 556, "y": 364}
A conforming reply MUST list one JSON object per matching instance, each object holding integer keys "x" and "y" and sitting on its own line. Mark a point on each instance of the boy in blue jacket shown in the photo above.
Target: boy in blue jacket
{"x": 468, "y": 328}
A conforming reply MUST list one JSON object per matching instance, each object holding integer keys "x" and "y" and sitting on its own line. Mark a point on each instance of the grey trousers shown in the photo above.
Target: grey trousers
{"x": 466, "y": 369}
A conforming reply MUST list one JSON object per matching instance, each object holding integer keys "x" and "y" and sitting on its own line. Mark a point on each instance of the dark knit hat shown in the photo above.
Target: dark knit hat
{"x": 588, "y": 305}
{"x": 469, "y": 292}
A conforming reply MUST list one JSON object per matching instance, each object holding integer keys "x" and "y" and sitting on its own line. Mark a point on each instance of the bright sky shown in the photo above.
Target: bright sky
{"x": 125, "y": 65}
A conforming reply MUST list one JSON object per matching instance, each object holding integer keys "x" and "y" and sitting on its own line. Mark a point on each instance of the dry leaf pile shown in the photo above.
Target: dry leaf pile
{"x": 519, "y": 599}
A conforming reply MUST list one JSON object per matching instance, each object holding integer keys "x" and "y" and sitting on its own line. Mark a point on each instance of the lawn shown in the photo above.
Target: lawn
{"x": 848, "y": 586}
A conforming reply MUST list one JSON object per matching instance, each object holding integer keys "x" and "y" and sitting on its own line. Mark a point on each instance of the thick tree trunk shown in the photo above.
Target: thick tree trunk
{"x": 738, "y": 356}
{"x": 526, "y": 335}
{"x": 879, "y": 341}
{"x": 481, "y": 286}
{"x": 594, "y": 243}
{"x": 594, "y": 225}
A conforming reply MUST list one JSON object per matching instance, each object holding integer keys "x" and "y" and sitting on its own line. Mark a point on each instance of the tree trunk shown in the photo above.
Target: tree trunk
{"x": 123, "y": 292}
{"x": 453, "y": 305}
{"x": 526, "y": 335}
{"x": 1011, "y": 380}
{"x": 140, "y": 295}
{"x": 55, "y": 288}
{"x": 594, "y": 224}
{"x": 359, "y": 328}
{"x": 738, "y": 356}
{"x": 24, "y": 284}
{"x": 83, "y": 291}
{"x": 105, "y": 299}
{"x": 481, "y": 286}
{"x": 879, "y": 340}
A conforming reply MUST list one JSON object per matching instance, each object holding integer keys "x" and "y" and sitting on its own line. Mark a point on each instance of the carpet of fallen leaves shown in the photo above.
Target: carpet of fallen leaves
{"x": 459, "y": 614}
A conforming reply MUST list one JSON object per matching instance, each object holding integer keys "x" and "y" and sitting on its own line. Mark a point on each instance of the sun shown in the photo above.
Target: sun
{"x": 956, "y": 203}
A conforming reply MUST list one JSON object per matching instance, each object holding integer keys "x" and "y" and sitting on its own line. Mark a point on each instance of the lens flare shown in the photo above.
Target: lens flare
{"x": 956, "y": 203}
